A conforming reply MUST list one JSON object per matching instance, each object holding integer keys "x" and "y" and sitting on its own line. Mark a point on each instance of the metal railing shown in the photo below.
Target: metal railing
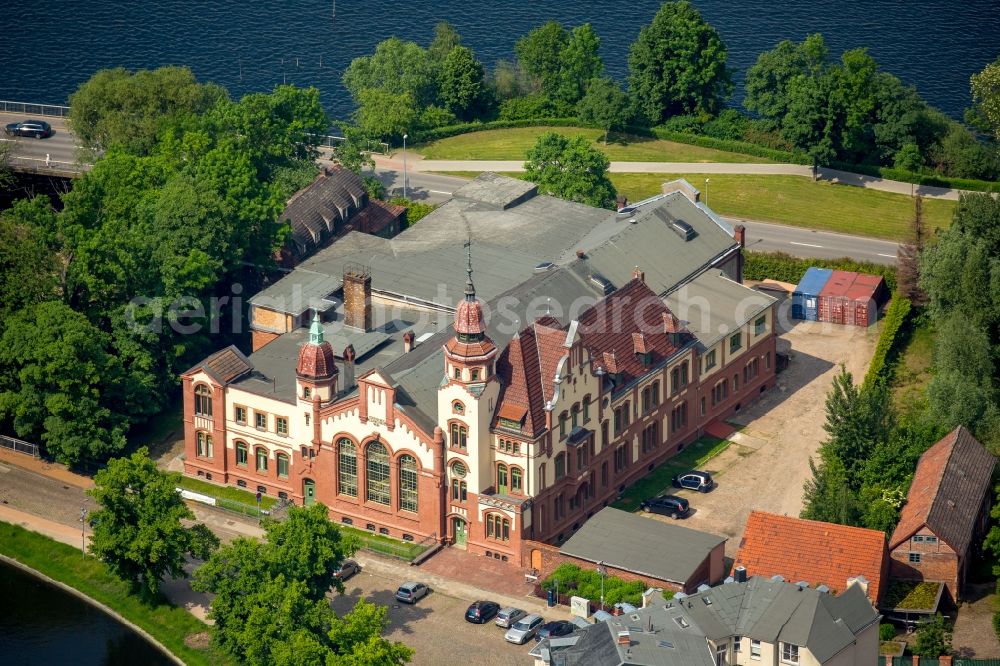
{"x": 42, "y": 165}
{"x": 19, "y": 446}
{"x": 30, "y": 108}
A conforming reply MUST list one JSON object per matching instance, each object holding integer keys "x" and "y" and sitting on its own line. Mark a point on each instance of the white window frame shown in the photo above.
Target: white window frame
{"x": 754, "y": 648}
{"x": 789, "y": 648}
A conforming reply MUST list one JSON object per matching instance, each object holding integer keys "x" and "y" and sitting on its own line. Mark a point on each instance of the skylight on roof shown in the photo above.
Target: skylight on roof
{"x": 682, "y": 622}
{"x": 665, "y": 644}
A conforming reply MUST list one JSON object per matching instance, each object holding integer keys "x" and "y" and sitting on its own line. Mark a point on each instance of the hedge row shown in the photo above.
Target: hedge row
{"x": 786, "y": 268}
{"x": 586, "y": 583}
{"x": 728, "y": 145}
{"x": 896, "y": 316}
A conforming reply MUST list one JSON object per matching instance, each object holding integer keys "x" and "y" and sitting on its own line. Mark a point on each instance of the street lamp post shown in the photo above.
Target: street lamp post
{"x": 404, "y": 166}
{"x": 603, "y": 571}
{"x": 706, "y": 191}
{"x": 83, "y": 537}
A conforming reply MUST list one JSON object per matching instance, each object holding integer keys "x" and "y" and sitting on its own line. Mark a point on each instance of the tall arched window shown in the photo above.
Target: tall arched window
{"x": 205, "y": 448}
{"x": 348, "y": 464}
{"x": 502, "y": 479}
{"x": 497, "y": 527}
{"x": 459, "y": 488}
{"x": 282, "y": 460}
{"x": 377, "y": 468}
{"x": 459, "y": 436}
{"x": 241, "y": 454}
{"x": 261, "y": 460}
{"x": 202, "y": 400}
{"x": 408, "y": 483}
{"x": 516, "y": 485}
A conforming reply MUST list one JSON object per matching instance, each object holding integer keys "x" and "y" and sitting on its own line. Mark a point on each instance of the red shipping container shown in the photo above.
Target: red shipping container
{"x": 833, "y": 298}
{"x": 866, "y": 295}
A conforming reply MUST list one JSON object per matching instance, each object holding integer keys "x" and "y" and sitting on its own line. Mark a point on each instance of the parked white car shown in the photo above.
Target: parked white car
{"x": 524, "y": 629}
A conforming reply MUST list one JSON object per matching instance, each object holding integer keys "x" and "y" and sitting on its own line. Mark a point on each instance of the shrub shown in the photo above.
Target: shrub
{"x": 996, "y": 624}
{"x": 415, "y": 210}
{"x": 896, "y": 315}
{"x": 886, "y": 632}
{"x": 572, "y": 580}
{"x": 426, "y": 136}
{"x": 532, "y": 106}
{"x": 786, "y": 268}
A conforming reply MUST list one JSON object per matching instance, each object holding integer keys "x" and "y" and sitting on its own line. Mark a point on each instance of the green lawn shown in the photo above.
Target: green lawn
{"x": 658, "y": 481}
{"x": 225, "y": 492}
{"x": 169, "y": 624}
{"x": 406, "y": 550}
{"x": 800, "y": 202}
{"x": 513, "y": 144}
{"x": 913, "y": 369}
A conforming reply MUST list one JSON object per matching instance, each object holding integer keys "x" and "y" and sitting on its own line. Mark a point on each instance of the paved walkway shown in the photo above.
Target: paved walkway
{"x": 416, "y": 163}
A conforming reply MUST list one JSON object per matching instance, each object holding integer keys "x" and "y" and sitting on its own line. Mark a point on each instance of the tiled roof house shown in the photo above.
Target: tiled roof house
{"x": 815, "y": 552}
{"x": 946, "y": 511}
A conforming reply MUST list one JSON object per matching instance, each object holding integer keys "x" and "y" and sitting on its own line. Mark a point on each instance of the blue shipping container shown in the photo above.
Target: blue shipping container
{"x": 805, "y": 298}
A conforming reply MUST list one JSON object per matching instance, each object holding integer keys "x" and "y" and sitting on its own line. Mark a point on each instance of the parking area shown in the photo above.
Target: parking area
{"x": 768, "y": 463}
{"x": 435, "y": 626}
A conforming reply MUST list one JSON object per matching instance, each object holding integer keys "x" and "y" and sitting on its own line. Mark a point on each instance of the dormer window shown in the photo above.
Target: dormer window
{"x": 469, "y": 338}
{"x": 646, "y": 359}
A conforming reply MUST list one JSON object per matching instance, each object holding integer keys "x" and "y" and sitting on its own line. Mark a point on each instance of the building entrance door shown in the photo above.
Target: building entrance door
{"x": 308, "y": 492}
{"x": 458, "y": 525}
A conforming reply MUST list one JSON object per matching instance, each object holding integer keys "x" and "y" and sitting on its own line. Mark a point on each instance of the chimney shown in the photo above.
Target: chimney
{"x": 349, "y": 357}
{"x": 622, "y": 201}
{"x": 860, "y": 581}
{"x": 624, "y": 638}
{"x": 580, "y": 254}
{"x": 740, "y": 234}
{"x": 638, "y": 275}
{"x": 408, "y": 342}
{"x": 358, "y": 297}
{"x": 740, "y": 573}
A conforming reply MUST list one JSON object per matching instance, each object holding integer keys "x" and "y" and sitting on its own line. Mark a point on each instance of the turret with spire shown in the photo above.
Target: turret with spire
{"x": 470, "y": 353}
{"x": 316, "y": 369}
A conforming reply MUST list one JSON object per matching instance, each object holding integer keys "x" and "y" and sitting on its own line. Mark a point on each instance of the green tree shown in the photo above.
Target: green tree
{"x": 855, "y": 418}
{"x": 461, "y": 80}
{"x": 986, "y": 97}
{"x": 909, "y": 158}
{"x": 384, "y": 114}
{"x": 270, "y": 606}
{"x": 446, "y": 38}
{"x": 604, "y": 105}
{"x": 933, "y": 638}
{"x": 570, "y": 169}
{"x": 580, "y": 63}
{"x": 908, "y": 258}
{"x": 353, "y": 151}
{"x": 507, "y": 81}
{"x": 119, "y": 108}
{"x": 138, "y": 531}
{"x": 767, "y": 81}
{"x": 827, "y": 495}
{"x": 396, "y": 68}
{"x": 539, "y": 54}
{"x": 55, "y": 371}
{"x": 29, "y": 272}
{"x": 678, "y": 65}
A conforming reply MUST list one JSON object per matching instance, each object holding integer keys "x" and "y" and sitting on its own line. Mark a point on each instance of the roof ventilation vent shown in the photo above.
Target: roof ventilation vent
{"x": 683, "y": 229}
{"x": 602, "y": 283}
{"x": 778, "y": 579}
{"x": 704, "y": 588}
{"x": 825, "y": 589}
{"x": 544, "y": 266}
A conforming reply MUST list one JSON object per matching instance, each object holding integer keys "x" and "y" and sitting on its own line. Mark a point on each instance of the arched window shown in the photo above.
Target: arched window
{"x": 261, "y": 460}
{"x": 202, "y": 400}
{"x": 502, "y": 479}
{"x": 515, "y": 480}
{"x": 458, "y": 407}
{"x": 459, "y": 488}
{"x": 282, "y": 460}
{"x": 348, "y": 465}
{"x": 560, "y": 465}
{"x": 205, "y": 448}
{"x": 459, "y": 436}
{"x": 377, "y": 467}
{"x": 497, "y": 527}
{"x": 241, "y": 454}
{"x": 408, "y": 483}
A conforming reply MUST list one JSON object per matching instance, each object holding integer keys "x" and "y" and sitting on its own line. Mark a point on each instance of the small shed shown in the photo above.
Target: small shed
{"x": 833, "y": 297}
{"x": 805, "y": 298}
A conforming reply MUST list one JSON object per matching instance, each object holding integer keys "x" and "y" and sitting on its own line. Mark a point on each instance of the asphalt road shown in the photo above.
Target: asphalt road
{"x": 434, "y": 188}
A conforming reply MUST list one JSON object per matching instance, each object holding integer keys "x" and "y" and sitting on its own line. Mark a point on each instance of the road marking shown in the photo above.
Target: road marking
{"x": 804, "y": 244}
{"x": 891, "y": 256}
{"x": 439, "y": 192}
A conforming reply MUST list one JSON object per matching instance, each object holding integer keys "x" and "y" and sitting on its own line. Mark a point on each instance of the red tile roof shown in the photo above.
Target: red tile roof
{"x": 947, "y": 491}
{"x": 316, "y": 361}
{"x": 526, "y": 369}
{"x": 816, "y": 552}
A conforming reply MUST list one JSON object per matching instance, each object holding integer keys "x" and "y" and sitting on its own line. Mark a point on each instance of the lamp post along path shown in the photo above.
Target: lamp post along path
{"x": 83, "y": 536}
{"x": 405, "y": 196}
{"x": 603, "y": 571}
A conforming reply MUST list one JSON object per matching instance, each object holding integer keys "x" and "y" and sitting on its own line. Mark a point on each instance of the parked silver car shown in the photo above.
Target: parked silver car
{"x": 508, "y": 616}
{"x": 410, "y": 592}
{"x": 524, "y": 629}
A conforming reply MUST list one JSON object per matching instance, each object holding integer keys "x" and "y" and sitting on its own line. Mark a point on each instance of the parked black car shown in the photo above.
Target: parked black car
{"x": 694, "y": 480}
{"x": 36, "y": 128}
{"x": 481, "y": 612}
{"x": 667, "y": 505}
{"x": 554, "y": 629}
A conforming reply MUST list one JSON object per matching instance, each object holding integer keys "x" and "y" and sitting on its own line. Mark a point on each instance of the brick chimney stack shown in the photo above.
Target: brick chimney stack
{"x": 349, "y": 356}
{"x": 622, "y": 202}
{"x": 358, "y": 297}
{"x": 408, "y": 342}
{"x": 638, "y": 275}
{"x": 740, "y": 234}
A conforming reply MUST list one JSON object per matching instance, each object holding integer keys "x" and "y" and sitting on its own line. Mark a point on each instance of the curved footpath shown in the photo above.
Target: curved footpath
{"x": 96, "y": 604}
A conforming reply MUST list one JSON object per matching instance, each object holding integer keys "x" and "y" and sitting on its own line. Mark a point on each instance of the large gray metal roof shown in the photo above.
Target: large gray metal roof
{"x": 642, "y": 545}
{"x": 712, "y": 305}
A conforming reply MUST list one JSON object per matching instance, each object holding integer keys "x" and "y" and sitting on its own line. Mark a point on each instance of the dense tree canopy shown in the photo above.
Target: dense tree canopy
{"x": 604, "y": 105}
{"x": 461, "y": 79}
{"x": 119, "y": 108}
{"x": 270, "y": 605}
{"x": 570, "y": 169}
{"x": 539, "y": 53}
{"x": 397, "y": 67}
{"x": 138, "y": 531}
{"x": 986, "y": 97}
{"x": 678, "y": 65}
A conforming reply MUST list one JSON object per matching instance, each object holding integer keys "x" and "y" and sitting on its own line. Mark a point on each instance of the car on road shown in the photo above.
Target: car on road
{"x": 481, "y": 612}
{"x": 667, "y": 505}
{"x": 554, "y": 629}
{"x": 524, "y": 629}
{"x": 410, "y": 593}
{"x": 694, "y": 480}
{"x": 347, "y": 569}
{"x": 35, "y": 128}
{"x": 508, "y": 616}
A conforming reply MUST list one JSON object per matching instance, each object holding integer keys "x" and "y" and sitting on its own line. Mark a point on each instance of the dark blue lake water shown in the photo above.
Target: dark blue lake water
{"x": 40, "y": 625}
{"x": 934, "y": 45}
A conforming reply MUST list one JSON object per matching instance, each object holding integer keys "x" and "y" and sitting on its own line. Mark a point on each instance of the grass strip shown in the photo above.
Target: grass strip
{"x": 169, "y": 624}
{"x": 384, "y": 545}
{"x": 231, "y": 496}
{"x": 656, "y": 482}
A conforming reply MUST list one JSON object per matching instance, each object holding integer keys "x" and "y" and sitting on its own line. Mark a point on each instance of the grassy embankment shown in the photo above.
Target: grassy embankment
{"x": 169, "y": 624}
{"x": 913, "y": 368}
{"x": 659, "y": 480}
